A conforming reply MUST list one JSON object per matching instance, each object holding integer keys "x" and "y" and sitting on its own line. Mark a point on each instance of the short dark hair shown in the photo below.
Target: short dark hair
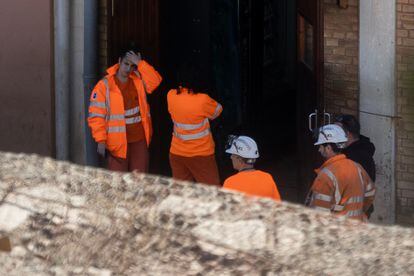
{"x": 246, "y": 161}
{"x": 349, "y": 124}
{"x": 130, "y": 46}
{"x": 334, "y": 147}
{"x": 190, "y": 76}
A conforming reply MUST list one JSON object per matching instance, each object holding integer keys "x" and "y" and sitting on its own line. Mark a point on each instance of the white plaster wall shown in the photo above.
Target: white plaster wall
{"x": 377, "y": 97}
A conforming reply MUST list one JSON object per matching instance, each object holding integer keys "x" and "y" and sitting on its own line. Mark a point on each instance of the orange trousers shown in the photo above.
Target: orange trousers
{"x": 137, "y": 159}
{"x": 201, "y": 169}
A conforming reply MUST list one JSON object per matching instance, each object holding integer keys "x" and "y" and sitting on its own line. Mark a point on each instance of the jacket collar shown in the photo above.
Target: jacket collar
{"x": 330, "y": 161}
{"x": 111, "y": 71}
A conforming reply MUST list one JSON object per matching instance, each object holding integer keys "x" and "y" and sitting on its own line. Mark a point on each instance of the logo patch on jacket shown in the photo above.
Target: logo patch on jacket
{"x": 94, "y": 95}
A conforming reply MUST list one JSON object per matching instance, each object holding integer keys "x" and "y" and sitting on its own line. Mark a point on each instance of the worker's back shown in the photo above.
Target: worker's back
{"x": 191, "y": 113}
{"x": 344, "y": 187}
{"x": 253, "y": 182}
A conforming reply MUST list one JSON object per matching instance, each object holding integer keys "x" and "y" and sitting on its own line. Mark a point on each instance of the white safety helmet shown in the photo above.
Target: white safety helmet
{"x": 331, "y": 134}
{"x": 243, "y": 146}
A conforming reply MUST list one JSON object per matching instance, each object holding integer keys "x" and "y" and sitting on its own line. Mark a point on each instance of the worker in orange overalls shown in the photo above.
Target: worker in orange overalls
{"x": 119, "y": 115}
{"x": 248, "y": 180}
{"x": 342, "y": 186}
{"x": 192, "y": 151}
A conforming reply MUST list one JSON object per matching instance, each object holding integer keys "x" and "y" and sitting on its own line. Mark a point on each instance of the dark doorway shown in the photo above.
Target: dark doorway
{"x": 263, "y": 64}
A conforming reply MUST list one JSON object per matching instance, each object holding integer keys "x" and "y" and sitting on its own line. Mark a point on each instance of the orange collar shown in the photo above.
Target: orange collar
{"x": 331, "y": 161}
{"x": 112, "y": 70}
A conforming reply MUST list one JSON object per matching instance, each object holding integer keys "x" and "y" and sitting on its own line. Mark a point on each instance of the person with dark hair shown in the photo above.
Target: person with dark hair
{"x": 192, "y": 151}
{"x": 358, "y": 148}
{"x": 341, "y": 186}
{"x": 119, "y": 114}
{"x": 244, "y": 153}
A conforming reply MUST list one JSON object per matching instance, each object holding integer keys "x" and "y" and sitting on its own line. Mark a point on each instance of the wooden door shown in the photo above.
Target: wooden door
{"x": 133, "y": 21}
{"x": 310, "y": 84}
{"x": 138, "y": 21}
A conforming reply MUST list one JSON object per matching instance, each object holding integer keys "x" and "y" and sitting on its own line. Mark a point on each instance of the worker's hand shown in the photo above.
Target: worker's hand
{"x": 101, "y": 149}
{"x": 134, "y": 57}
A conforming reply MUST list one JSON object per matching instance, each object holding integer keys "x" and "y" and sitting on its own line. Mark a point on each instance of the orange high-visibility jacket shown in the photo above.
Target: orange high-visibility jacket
{"x": 106, "y": 109}
{"x": 190, "y": 114}
{"x": 255, "y": 183}
{"x": 342, "y": 187}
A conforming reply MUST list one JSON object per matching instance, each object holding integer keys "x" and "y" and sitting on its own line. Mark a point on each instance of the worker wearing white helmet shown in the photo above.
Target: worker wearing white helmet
{"x": 248, "y": 180}
{"x": 342, "y": 186}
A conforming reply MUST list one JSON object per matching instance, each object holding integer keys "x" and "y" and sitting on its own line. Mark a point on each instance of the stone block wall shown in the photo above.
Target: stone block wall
{"x": 405, "y": 111}
{"x": 341, "y": 50}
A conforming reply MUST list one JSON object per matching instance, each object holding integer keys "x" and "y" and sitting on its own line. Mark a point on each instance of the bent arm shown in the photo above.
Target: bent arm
{"x": 212, "y": 108}
{"x": 149, "y": 75}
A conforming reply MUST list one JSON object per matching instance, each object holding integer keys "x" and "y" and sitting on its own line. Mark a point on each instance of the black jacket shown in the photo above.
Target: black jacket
{"x": 362, "y": 152}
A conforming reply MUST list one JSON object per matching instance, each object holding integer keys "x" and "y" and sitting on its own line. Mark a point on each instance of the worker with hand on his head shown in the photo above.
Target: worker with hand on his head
{"x": 119, "y": 114}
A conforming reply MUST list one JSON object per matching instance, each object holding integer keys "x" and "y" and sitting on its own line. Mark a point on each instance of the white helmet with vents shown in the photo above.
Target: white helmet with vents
{"x": 331, "y": 134}
{"x": 243, "y": 146}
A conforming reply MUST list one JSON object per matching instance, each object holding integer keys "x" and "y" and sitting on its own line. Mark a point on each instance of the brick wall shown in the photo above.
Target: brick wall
{"x": 103, "y": 36}
{"x": 341, "y": 57}
{"x": 405, "y": 109}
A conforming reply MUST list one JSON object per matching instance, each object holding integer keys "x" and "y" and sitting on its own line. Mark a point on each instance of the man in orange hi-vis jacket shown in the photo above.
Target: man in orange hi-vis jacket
{"x": 342, "y": 186}
{"x": 248, "y": 180}
{"x": 119, "y": 115}
{"x": 192, "y": 146}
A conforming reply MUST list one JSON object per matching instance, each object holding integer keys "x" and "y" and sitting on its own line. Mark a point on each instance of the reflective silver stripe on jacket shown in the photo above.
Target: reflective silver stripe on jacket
{"x": 322, "y": 197}
{"x": 370, "y": 190}
{"x": 116, "y": 117}
{"x": 216, "y": 112}
{"x": 360, "y": 178}
{"x": 187, "y": 137}
{"x": 107, "y": 99}
{"x": 117, "y": 129}
{"x": 355, "y": 199}
{"x": 322, "y": 209}
{"x": 98, "y": 104}
{"x": 191, "y": 126}
{"x": 335, "y": 182}
{"x": 143, "y": 82}
{"x": 132, "y": 111}
{"x": 94, "y": 115}
{"x": 133, "y": 120}
{"x": 354, "y": 213}
{"x": 370, "y": 193}
{"x": 337, "y": 208}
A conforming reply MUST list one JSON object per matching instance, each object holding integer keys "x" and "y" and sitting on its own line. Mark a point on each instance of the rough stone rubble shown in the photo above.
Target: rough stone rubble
{"x": 64, "y": 219}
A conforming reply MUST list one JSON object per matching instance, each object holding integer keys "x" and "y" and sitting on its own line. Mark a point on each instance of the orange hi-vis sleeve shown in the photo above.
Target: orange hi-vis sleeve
{"x": 97, "y": 113}
{"x": 149, "y": 75}
{"x": 190, "y": 114}
{"x": 254, "y": 183}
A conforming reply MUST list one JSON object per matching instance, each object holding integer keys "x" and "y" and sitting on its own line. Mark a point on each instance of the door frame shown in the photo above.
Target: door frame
{"x": 308, "y": 156}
